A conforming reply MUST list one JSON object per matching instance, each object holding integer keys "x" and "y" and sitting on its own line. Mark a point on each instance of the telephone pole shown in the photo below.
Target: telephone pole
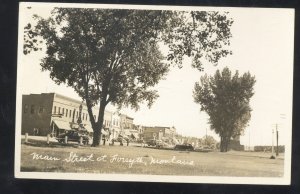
{"x": 249, "y": 140}
{"x": 272, "y": 157}
{"x": 277, "y": 140}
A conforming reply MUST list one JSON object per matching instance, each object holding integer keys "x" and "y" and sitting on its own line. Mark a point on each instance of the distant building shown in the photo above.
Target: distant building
{"x": 126, "y": 122}
{"x": 115, "y": 127}
{"x": 128, "y": 128}
{"x": 235, "y": 144}
{"x": 158, "y": 132}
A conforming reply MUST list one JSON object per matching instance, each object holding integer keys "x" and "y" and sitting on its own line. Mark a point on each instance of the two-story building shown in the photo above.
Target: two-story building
{"x": 52, "y": 113}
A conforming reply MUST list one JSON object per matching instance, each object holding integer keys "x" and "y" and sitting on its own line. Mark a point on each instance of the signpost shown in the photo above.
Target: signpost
{"x": 154, "y": 136}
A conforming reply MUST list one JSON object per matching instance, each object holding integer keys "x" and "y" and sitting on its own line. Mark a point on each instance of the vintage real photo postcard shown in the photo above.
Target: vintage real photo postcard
{"x": 154, "y": 93}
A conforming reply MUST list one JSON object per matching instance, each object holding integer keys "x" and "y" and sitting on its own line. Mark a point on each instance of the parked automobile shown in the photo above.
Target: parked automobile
{"x": 151, "y": 142}
{"x": 73, "y": 136}
{"x": 157, "y": 143}
{"x": 121, "y": 139}
{"x": 185, "y": 147}
{"x": 204, "y": 149}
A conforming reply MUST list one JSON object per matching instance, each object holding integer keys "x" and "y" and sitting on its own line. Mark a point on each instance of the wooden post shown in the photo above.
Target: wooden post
{"x": 48, "y": 139}
{"x": 80, "y": 140}
{"x": 66, "y": 139}
{"x": 26, "y": 137}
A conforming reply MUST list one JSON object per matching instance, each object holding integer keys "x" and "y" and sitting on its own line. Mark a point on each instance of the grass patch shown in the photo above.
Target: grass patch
{"x": 239, "y": 164}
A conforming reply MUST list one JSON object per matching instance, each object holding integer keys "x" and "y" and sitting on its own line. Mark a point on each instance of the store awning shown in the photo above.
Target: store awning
{"x": 62, "y": 124}
{"x": 127, "y": 133}
{"x": 105, "y": 132}
{"x": 136, "y": 136}
{"x": 88, "y": 128}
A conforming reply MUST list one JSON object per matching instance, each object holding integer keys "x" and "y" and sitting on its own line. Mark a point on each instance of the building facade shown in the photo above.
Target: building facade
{"x": 52, "y": 113}
{"x": 157, "y": 132}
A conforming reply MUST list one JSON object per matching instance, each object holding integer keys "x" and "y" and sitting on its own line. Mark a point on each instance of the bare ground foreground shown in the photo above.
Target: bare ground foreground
{"x": 40, "y": 157}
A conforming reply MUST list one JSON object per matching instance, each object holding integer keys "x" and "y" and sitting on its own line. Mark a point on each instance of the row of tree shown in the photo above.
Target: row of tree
{"x": 113, "y": 56}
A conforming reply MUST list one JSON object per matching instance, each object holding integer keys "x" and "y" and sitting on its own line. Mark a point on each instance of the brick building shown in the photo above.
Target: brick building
{"x": 52, "y": 113}
{"x": 158, "y": 132}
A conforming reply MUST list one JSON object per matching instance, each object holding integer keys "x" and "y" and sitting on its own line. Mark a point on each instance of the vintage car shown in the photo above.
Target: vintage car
{"x": 184, "y": 147}
{"x": 157, "y": 143}
{"x": 204, "y": 149}
{"x": 73, "y": 136}
{"x": 121, "y": 139}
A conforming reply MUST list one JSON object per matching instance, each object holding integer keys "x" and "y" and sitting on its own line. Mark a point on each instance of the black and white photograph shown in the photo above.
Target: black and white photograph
{"x": 181, "y": 94}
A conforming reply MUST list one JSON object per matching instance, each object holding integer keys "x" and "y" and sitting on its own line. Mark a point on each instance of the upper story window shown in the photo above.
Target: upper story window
{"x": 32, "y": 109}
{"x": 63, "y": 111}
{"x": 41, "y": 109}
{"x": 70, "y": 113}
{"x": 54, "y": 110}
{"x": 67, "y": 112}
{"x": 25, "y": 108}
{"x": 58, "y": 110}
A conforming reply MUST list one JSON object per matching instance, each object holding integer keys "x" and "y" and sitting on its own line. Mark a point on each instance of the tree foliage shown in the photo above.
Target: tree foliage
{"x": 209, "y": 141}
{"x": 113, "y": 56}
{"x": 225, "y": 98}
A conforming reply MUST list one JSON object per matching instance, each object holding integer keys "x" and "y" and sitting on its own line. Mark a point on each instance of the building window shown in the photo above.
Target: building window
{"x": 41, "y": 110}
{"x": 67, "y": 112}
{"x": 83, "y": 116}
{"x": 70, "y": 114}
{"x": 54, "y": 110}
{"x": 86, "y": 116}
{"x": 58, "y": 110}
{"x": 25, "y": 108}
{"x": 32, "y": 109}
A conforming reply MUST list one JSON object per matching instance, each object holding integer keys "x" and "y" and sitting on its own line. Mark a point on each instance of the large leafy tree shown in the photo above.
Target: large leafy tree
{"x": 113, "y": 56}
{"x": 225, "y": 98}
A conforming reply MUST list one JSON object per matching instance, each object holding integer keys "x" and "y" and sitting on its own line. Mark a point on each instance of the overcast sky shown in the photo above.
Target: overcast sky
{"x": 262, "y": 44}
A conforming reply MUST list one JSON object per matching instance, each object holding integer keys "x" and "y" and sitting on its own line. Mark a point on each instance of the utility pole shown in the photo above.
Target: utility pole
{"x": 272, "y": 157}
{"x": 277, "y": 153}
{"x": 249, "y": 139}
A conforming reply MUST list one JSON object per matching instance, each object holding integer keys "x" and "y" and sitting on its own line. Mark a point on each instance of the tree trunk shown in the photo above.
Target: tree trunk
{"x": 96, "y": 137}
{"x": 99, "y": 124}
{"x": 224, "y": 144}
{"x": 222, "y": 147}
{"x": 227, "y": 144}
